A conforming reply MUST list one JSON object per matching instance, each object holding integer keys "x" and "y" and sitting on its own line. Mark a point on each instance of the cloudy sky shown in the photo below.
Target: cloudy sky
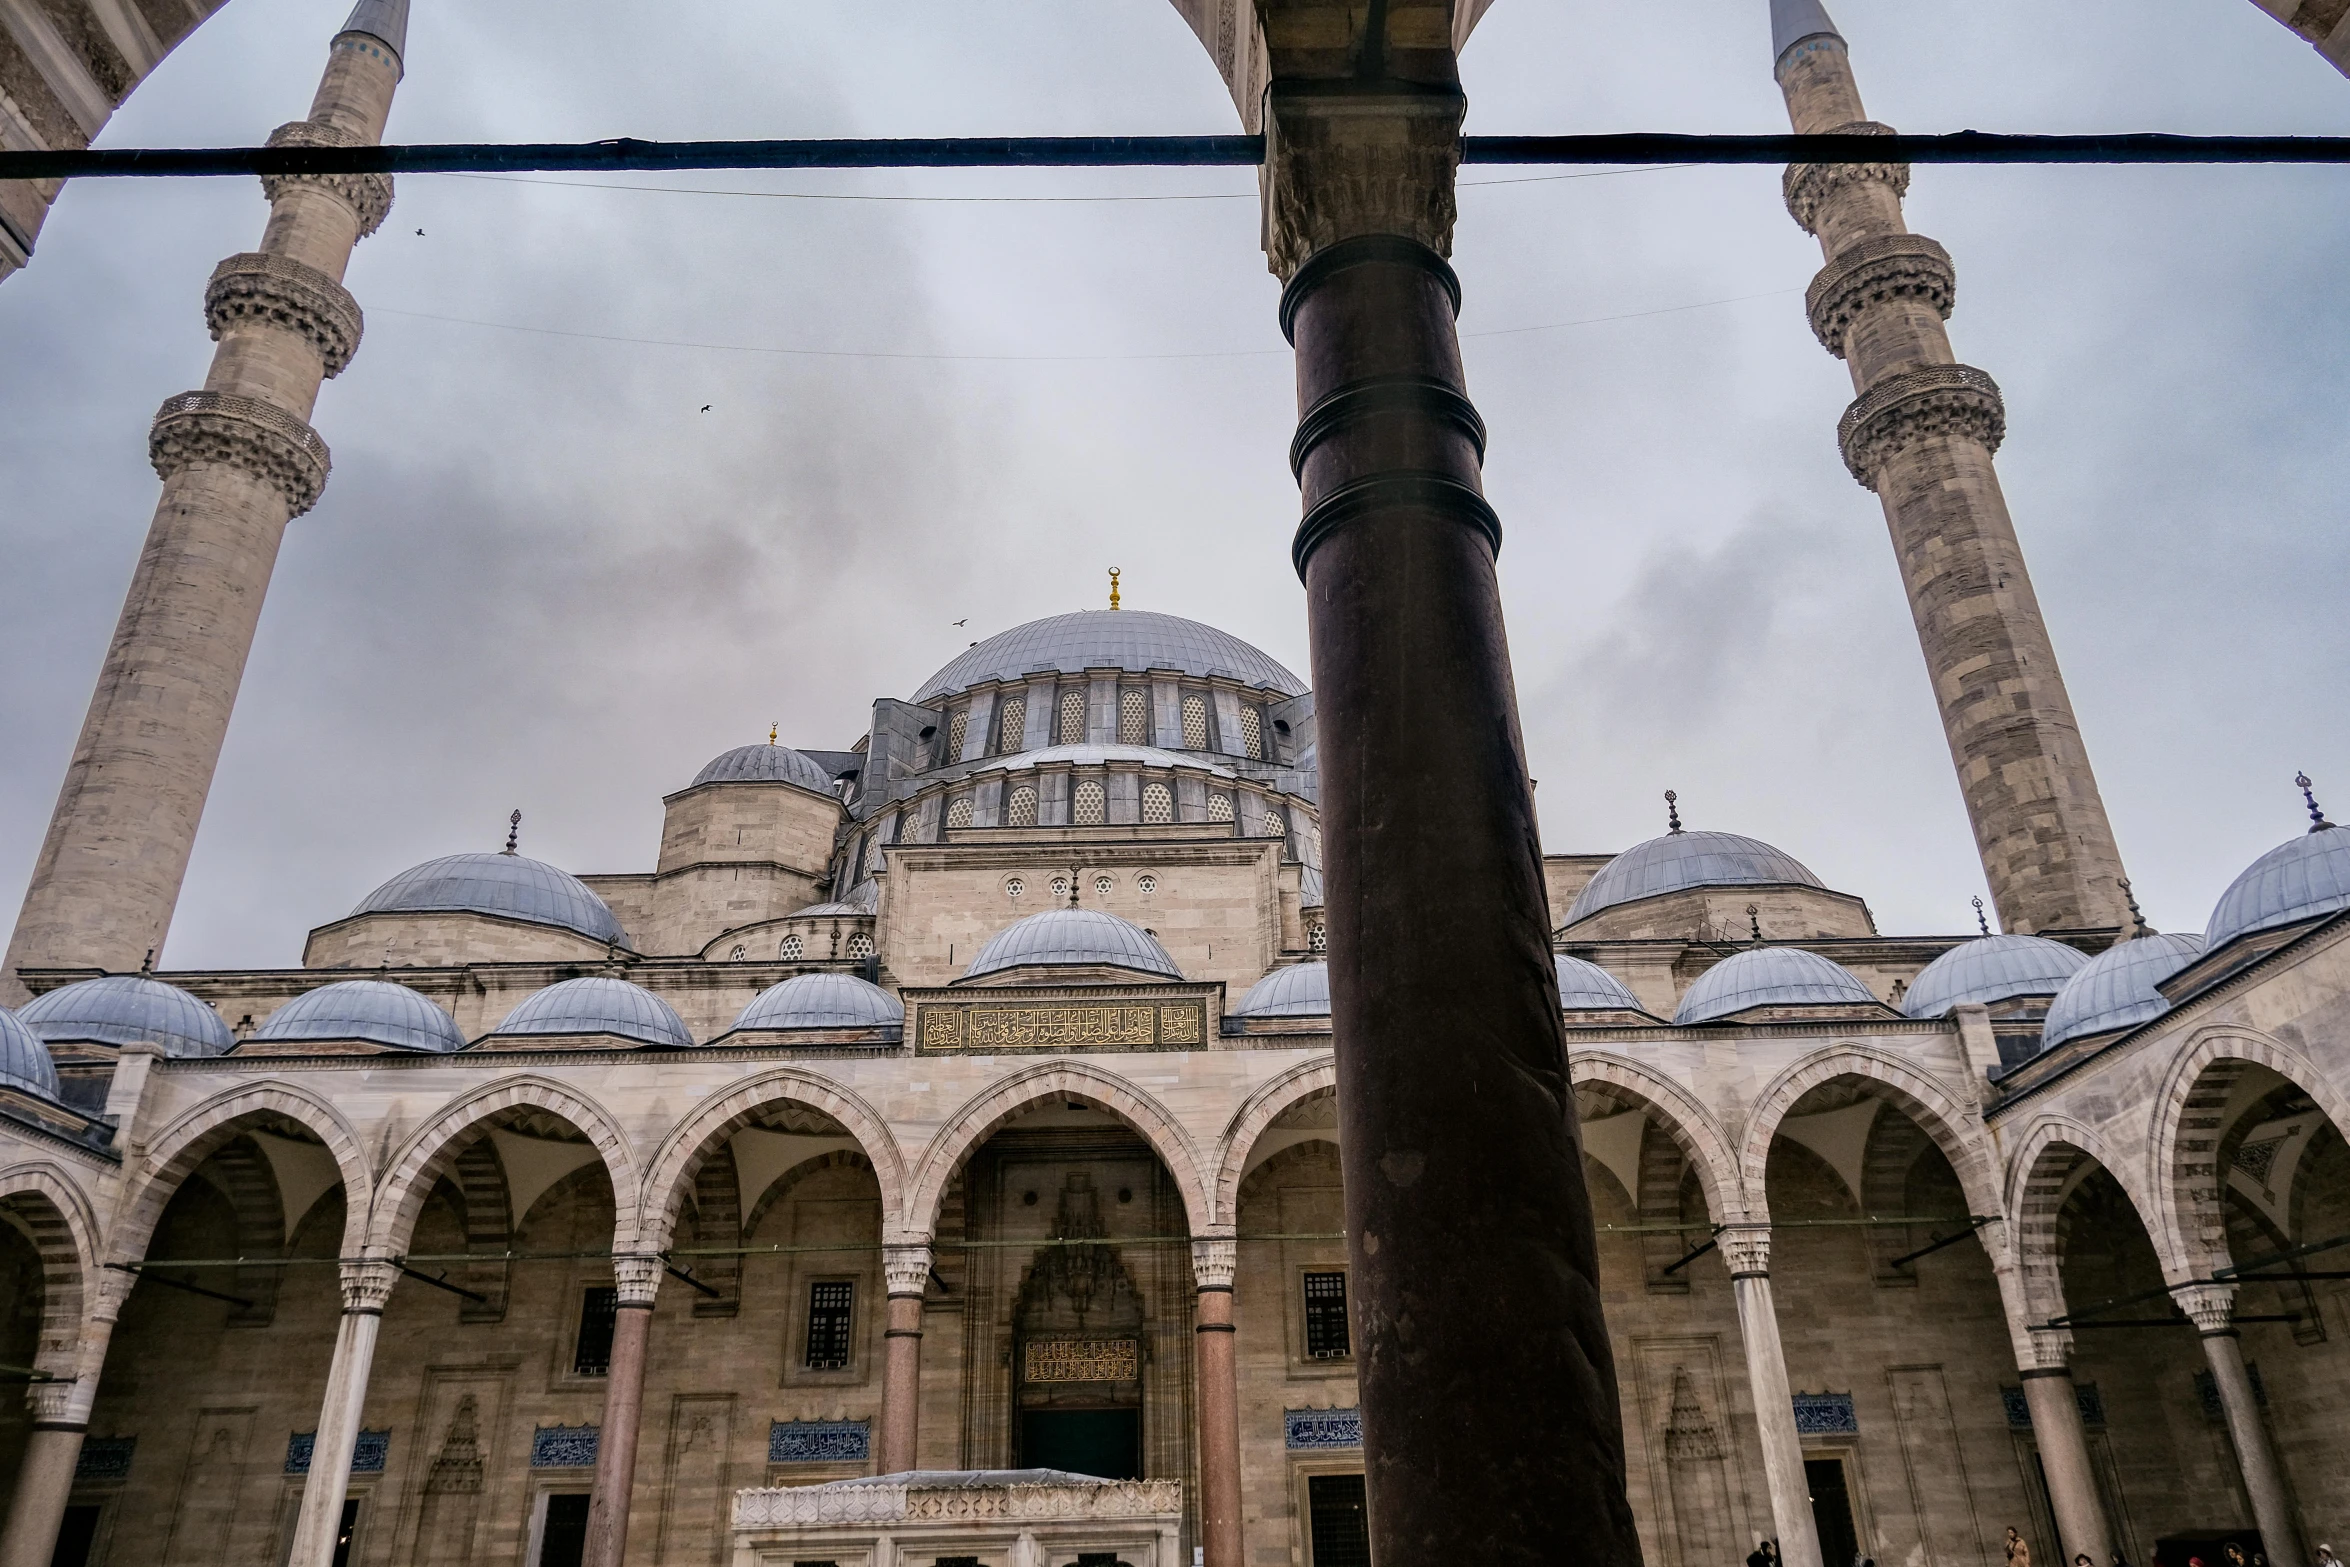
{"x": 543, "y": 577}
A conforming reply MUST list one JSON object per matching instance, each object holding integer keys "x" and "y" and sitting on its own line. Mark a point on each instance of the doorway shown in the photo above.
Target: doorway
{"x": 1104, "y": 1443}
{"x": 1831, "y": 1511}
{"x": 563, "y": 1533}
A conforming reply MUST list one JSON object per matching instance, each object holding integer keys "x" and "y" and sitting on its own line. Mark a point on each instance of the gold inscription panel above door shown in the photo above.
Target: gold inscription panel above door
{"x": 1059, "y": 1027}
{"x": 1082, "y": 1360}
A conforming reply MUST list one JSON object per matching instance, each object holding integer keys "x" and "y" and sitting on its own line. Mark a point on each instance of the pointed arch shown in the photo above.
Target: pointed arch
{"x": 173, "y": 1154}
{"x": 671, "y": 1175}
{"x": 2041, "y": 1174}
{"x": 1307, "y": 1080}
{"x": 57, "y": 1218}
{"x": 1917, "y": 1093}
{"x": 1684, "y": 1118}
{"x": 409, "y": 1178}
{"x": 992, "y": 1108}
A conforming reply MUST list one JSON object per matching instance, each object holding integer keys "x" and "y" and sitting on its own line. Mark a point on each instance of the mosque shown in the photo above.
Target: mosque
{"x": 927, "y": 1154}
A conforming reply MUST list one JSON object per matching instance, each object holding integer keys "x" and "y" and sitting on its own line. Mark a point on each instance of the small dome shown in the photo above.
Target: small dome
{"x": 1074, "y": 938}
{"x": 370, "y": 1009}
{"x": 1770, "y": 977}
{"x": 2294, "y": 881}
{"x": 24, "y": 1060}
{"x": 823, "y": 1001}
{"x": 598, "y": 1004}
{"x": 1133, "y": 640}
{"x": 1687, "y": 859}
{"x": 770, "y": 763}
{"x": 1586, "y": 987}
{"x": 122, "y": 1009}
{"x": 1300, "y": 990}
{"x": 502, "y": 884}
{"x": 1988, "y": 969}
{"x": 2115, "y": 989}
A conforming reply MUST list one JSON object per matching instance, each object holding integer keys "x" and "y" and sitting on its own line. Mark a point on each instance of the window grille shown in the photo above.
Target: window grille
{"x": 592, "y": 1357}
{"x": 1102, "y": 886}
{"x": 959, "y": 813}
{"x": 1326, "y": 1333}
{"x": 1020, "y": 810}
{"x": 1317, "y": 938}
{"x": 1091, "y": 803}
{"x": 1252, "y": 733}
{"x": 1158, "y": 803}
{"x": 1012, "y": 732}
{"x": 1147, "y": 882}
{"x": 1134, "y": 718}
{"x": 1014, "y": 886}
{"x": 1195, "y": 723}
{"x": 829, "y": 1303}
{"x": 1337, "y": 1525}
{"x": 739, "y": 953}
{"x": 1219, "y": 807}
{"x": 1060, "y": 888}
{"x": 789, "y": 949}
{"x": 860, "y": 945}
{"x": 957, "y": 727}
{"x": 1271, "y": 825}
{"x": 1072, "y": 718}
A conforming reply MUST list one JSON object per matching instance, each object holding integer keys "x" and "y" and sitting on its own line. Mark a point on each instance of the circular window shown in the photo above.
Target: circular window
{"x": 1014, "y": 886}
{"x": 1147, "y": 883}
{"x": 1102, "y": 886}
{"x": 1060, "y": 886}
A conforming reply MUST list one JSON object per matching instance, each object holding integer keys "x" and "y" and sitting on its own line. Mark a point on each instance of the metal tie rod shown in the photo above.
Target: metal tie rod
{"x": 1007, "y": 152}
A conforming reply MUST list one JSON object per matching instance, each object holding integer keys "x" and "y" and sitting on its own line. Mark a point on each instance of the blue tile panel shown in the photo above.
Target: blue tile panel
{"x": 819, "y": 1441}
{"x": 1315, "y": 1430}
{"x": 105, "y": 1458}
{"x": 367, "y": 1454}
{"x": 1825, "y": 1414}
{"x": 564, "y": 1447}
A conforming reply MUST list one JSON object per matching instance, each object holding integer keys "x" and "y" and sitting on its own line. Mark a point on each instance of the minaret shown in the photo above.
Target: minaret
{"x": 1921, "y": 434}
{"x": 238, "y": 461}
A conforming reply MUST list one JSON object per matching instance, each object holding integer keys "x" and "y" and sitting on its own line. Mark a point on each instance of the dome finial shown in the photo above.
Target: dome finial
{"x": 513, "y": 832}
{"x": 1672, "y": 813}
{"x": 773, "y": 730}
{"x": 1754, "y": 922}
{"x": 1073, "y": 886}
{"x": 1113, "y": 587}
{"x": 1982, "y": 921}
{"x": 2138, "y": 925}
{"x": 2317, "y": 817}
{"x": 147, "y": 963}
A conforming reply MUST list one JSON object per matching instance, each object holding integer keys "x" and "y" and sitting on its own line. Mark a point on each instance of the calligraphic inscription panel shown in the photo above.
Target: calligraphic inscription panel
{"x": 1060, "y": 1027}
{"x": 1083, "y": 1360}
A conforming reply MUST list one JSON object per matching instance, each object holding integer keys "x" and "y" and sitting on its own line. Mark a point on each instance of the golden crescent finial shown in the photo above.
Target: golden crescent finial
{"x": 773, "y": 730}
{"x": 1113, "y": 587}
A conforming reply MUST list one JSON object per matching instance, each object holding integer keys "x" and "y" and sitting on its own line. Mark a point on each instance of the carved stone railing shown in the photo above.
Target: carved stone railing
{"x": 367, "y": 195}
{"x": 890, "y": 1502}
{"x": 244, "y": 432}
{"x": 286, "y": 293}
{"x": 1807, "y": 186}
{"x": 1874, "y": 272}
{"x": 1903, "y": 409}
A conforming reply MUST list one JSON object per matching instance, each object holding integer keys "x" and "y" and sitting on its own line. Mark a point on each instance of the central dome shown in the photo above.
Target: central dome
{"x": 506, "y": 885}
{"x": 1680, "y": 860}
{"x": 1133, "y": 640}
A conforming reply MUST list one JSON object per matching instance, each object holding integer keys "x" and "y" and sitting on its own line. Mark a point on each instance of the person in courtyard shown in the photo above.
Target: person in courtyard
{"x": 2018, "y": 1553}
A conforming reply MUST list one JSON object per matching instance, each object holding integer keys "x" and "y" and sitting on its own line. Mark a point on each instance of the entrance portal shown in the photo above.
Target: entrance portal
{"x": 1104, "y": 1443}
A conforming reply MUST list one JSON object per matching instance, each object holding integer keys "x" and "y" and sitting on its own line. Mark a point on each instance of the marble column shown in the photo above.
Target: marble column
{"x": 1217, "y": 1367}
{"x": 906, "y": 1266}
{"x": 638, "y": 1280}
{"x": 61, "y": 1418}
{"x": 2063, "y": 1441}
{"x": 367, "y": 1284}
{"x": 2213, "y": 1308}
{"x": 1747, "y": 1249}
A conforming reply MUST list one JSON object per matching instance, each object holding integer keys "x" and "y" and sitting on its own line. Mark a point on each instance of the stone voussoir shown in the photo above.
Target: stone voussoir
{"x": 245, "y": 432}
{"x": 1874, "y": 272}
{"x": 1808, "y": 185}
{"x": 281, "y": 291}
{"x": 1901, "y": 409}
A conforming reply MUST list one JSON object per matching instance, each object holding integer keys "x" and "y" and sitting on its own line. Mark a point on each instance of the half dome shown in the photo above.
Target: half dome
{"x": 1586, "y": 987}
{"x": 2116, "y": 988}
{"x": 598, "y": 1004}
{"x": 506, "y": 885}
{"x": 769, "y": 763}
{"x": 1680, "y": 860}
{"x": 1771, "y": 977}
{"x": 1074, "y": 938}
{"x": 24, "y": 1060}
{"x": 823, "y": 1001}
{"x": 123, "y": 1009}
{"x": 1990, "y": 969}
{"x": 371, "y": 1009}
{"x": 1134, "y": 640}
{"x": 1300, "y": 990}
{"x": 2298, "y": 880}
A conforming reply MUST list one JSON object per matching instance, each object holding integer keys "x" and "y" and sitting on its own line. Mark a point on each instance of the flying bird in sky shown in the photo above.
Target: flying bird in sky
{"x": 965, "y": 621}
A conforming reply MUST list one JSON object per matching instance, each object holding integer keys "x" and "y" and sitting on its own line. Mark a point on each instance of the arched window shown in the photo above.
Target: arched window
{"x": 959, "y": 813}
{"x": 1012, "y": 733}
{"x": 1317, "y": 937}
{"x": 1158, "y": 803}
{"x": 1020, "y": 809}
{"x": 1072, "y": 717}
{"x": 1272, "y": 826}
{"x": 1195, "y": 723}
{"x": 957, "y": 727}
{"x": 739, "y": 953}
{"x": 1134, "y": 718}
{"x": 789, "y": 952}
{"x": 1219, "y": 807}
{"x": 860, "y": 945}
{"x": 1252, "y": 733}
{"x": 1091, "y": 801}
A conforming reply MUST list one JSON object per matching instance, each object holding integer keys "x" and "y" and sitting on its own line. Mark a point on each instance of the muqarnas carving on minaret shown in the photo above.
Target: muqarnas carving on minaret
{"x": 1921, "y": 434}
{"x": 238, "y": 460}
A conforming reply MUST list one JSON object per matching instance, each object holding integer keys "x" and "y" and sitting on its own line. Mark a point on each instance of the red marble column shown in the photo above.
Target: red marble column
{"x": 907, "y": 1268}
{"x": 638, "y": 1279}
{"x": 1217, "y": 1368}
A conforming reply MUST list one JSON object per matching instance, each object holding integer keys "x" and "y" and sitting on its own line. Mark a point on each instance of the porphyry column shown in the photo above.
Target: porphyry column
{"x": 637, "y": 1280}
{"x": 238, "y": 460}
{"x": 2063, "y": 1440}
{"x": 1747, "y": 1249}
{"x": 1921, "y": 434}
{"x": 906, "y": 1268}
{"x": 1465, "y": 1199}
{"x": 367, "y": 1285}
{"x": 1216, "y": 1365}
{"x": 2213, "y": 1309}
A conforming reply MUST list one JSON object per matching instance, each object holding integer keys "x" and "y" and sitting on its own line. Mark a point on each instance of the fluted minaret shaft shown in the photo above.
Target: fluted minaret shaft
{"x": 1921, "y": 434}
{"x": 238, "y": 461}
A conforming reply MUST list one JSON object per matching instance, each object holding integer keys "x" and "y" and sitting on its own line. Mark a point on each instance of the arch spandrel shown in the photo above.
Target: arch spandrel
{"x": 1307, "y": 1080}
{"x": 670, "y": 1177}
{"x": 994, "y": 1107}
{"x": 1684, "y": 1118}
{"x": 173, "y": 1154}
{"x": 409, "y": 1178}
{"x": 1916, "y": 1092}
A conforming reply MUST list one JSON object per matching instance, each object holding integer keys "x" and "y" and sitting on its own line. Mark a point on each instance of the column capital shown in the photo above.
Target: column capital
{"x": 1215, "y": 1259}
{"x": 906, "y": 1265}
{"x": 1747, "y": 1249}
{"x": 59, "y": 1403}
{"x": 243, "y": 432}
{"x": 2212, "y": 1306}
{"x": 109, "y": 1288}
{"x": 637, "y": 1277}
{"x": 1341, "y": 162}
{"x": 367, "y": 1284}
{"x": 2051, "y": 1352}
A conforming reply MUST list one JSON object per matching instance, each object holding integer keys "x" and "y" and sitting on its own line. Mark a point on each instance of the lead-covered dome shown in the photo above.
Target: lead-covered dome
{"x": 1134, "y": 640}
{"x": 598, "y": 1004}
{"x": 1680, "y": 860}
{"x": 1586, "y": 987}
{"x": 506, "y": 885}
{"x": 769, "y": 763}
{"x": 123, "y": 1009}
{"x": 1300, "y": 990}
{"x": 24, "y": 1060}
{"x": 2295, "y": 881}
{"x": 1770, "y": 977}
{"x": 1074, "y": 938}
{"x": 371, "y": 1009}
{"x": 2115, "y": 989}
{"x": 823, "y": 1001}
{"x": 1991, "y": 969}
